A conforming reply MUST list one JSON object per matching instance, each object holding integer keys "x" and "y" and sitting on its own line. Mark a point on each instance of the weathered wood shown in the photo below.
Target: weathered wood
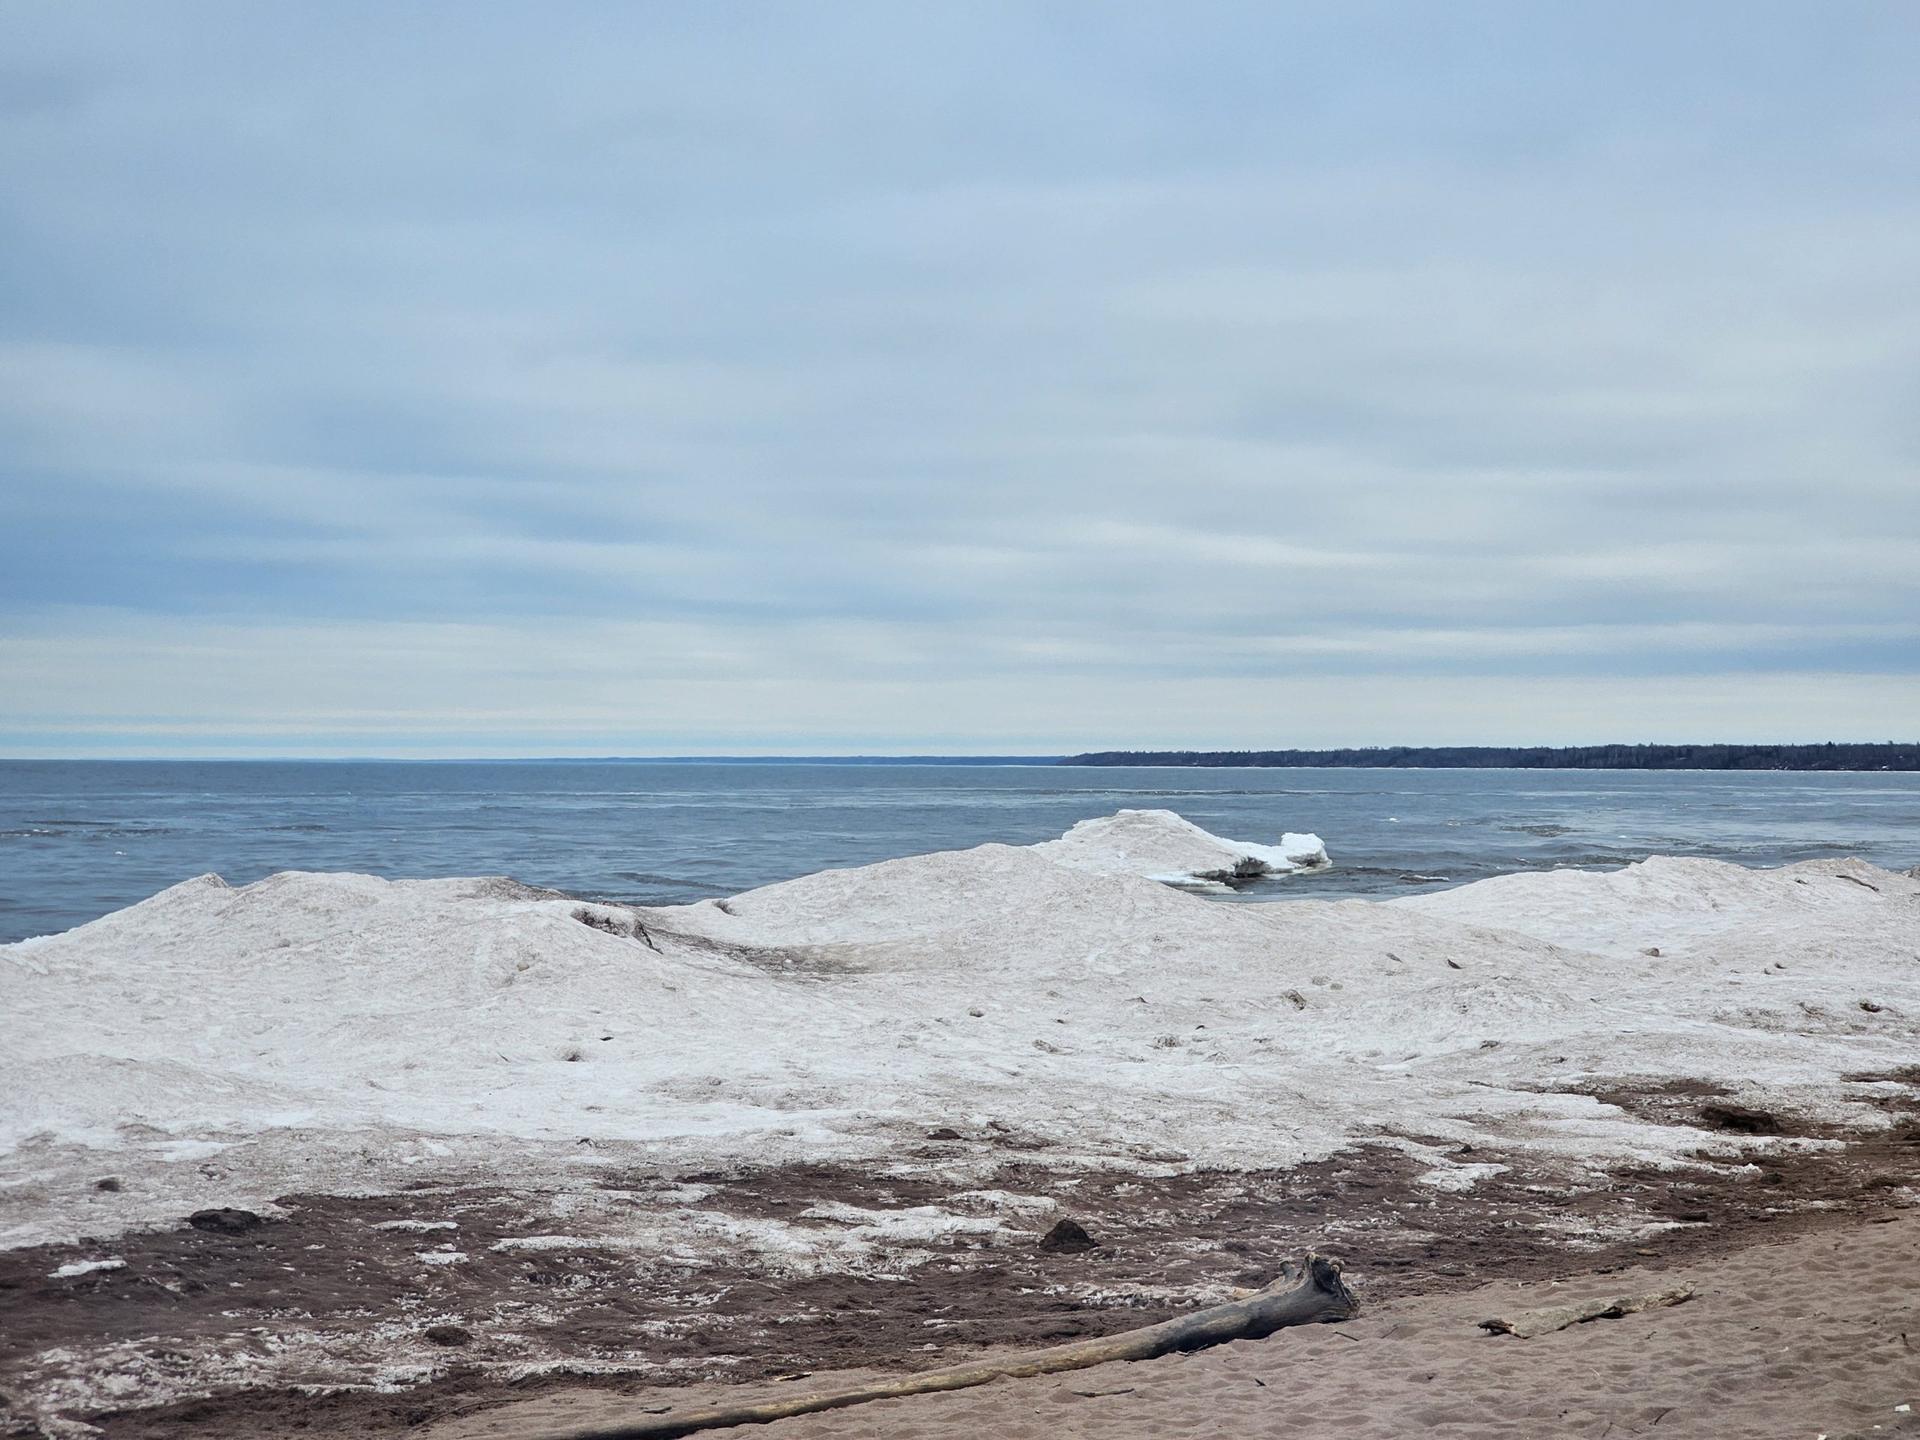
{"x": 1558, "y": 1317}
{"x": 1310, "y": 1294}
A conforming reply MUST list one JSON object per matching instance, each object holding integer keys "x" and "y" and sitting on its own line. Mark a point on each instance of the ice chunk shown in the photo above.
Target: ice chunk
{"x": 86, "y": 1267}
{"x": 1169, "y": 848}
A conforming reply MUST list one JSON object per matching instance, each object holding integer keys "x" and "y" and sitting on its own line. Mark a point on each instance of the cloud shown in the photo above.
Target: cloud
{"x": 1033, "y": 352}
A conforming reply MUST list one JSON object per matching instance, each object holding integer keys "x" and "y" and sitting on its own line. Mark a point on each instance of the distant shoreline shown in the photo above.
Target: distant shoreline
{"x": 1829, "y": 757}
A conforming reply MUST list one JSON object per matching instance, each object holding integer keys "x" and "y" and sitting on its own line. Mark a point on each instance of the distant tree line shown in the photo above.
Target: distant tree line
{"x": 1830, "y": 756}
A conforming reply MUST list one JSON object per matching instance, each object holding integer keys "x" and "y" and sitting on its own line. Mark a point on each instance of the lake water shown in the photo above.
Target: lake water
{"x": 78, "y": 839}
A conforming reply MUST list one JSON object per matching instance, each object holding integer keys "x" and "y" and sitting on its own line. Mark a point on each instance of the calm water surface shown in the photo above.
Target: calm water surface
{"x": 78, "y": 839}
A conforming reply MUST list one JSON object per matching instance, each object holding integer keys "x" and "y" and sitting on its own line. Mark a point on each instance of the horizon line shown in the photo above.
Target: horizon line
{"x": 904, "y": 757}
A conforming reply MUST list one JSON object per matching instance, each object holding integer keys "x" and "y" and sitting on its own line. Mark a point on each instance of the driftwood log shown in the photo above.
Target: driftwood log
{"x": 1307, "y": 1294}
{"x": 1558, "y": 1317}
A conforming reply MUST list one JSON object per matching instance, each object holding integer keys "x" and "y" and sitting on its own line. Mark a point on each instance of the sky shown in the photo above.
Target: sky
{"x": 649, "y": 378}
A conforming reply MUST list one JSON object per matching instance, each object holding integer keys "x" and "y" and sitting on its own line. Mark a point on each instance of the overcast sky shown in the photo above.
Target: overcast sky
{"x": 706, "y": 377}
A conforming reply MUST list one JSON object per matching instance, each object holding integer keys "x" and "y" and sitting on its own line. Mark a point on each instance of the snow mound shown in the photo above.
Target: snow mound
{"x": 1677, "y": 905}
{"x": 226, "y": 1045}
{"x": 1169, "y": 848}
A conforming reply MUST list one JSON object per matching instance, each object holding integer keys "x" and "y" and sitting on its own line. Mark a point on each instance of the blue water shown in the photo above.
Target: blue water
{"x": 78, "y": 839}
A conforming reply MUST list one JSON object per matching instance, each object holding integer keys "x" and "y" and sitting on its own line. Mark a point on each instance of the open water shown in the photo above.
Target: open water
{"x": 81, "y": 838}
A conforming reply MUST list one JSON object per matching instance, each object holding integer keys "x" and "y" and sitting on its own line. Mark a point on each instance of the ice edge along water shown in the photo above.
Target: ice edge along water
{"x": 215, "y": 1045}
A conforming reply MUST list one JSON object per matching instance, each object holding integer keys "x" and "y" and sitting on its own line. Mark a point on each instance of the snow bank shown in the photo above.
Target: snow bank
{"x": 219, "y": 1045}
{"x": 1166, "y": 847}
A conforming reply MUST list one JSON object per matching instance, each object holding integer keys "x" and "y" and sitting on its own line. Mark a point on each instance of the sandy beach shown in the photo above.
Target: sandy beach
{"x": 1803, "y": 1322}
{"x": 1810, "y": 1336}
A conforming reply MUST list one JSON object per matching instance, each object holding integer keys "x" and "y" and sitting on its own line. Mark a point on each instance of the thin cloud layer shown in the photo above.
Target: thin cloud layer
{"x": 729, "y": 378}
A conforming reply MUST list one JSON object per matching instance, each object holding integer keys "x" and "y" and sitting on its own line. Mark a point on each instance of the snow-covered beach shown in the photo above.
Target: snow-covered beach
{"x": 866, "y": 1078}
